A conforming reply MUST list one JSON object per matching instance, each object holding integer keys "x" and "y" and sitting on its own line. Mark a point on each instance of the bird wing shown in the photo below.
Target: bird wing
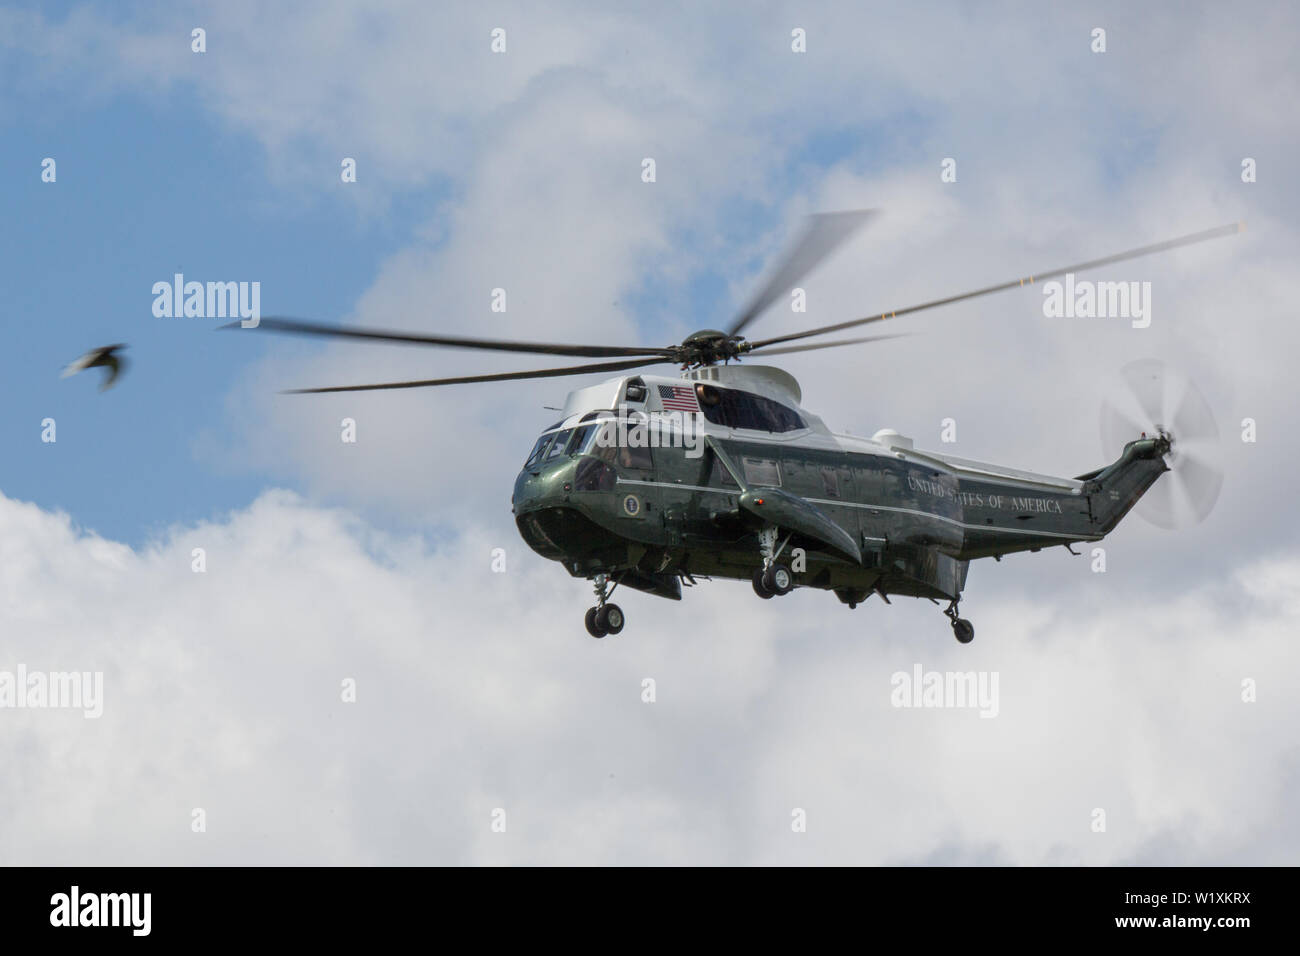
{"x": 114, "y": 365}
{"x": 86, "y": 361}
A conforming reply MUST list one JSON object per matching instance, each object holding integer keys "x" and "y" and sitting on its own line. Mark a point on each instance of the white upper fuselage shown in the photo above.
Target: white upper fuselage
{"x": 778, "y": 385}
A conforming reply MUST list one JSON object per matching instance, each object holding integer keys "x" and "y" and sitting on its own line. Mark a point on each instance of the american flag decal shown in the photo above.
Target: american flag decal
{"x": 678, "y": 398}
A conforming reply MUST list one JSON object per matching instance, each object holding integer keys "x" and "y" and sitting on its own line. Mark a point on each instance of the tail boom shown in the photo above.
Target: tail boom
{"x": 1008, "y": 516}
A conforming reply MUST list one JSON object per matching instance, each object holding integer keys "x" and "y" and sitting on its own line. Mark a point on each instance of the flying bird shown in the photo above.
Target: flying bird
{"x": 104, "y": 357}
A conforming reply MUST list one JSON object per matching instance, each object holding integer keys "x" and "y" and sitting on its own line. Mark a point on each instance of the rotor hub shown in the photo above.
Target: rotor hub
{"x": 708, "y": 347}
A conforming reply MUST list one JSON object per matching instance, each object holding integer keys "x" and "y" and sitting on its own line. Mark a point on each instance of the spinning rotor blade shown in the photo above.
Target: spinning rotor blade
{"x": 495, "y": 377}
{"x": 1201, "y": 484}
{"x": 1013, "y": 284}
{"x": 301, "y": 327}
{"x": 1193, "y": 422}
{"x": 1147, "y": 383}
{"x": 825, "y": 233}
{"x": 1155, "y": 398}
{"x": 828, "y": 345}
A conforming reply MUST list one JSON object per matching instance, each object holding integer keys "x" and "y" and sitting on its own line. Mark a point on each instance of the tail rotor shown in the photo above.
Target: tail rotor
{"x": 1156, "y": 400}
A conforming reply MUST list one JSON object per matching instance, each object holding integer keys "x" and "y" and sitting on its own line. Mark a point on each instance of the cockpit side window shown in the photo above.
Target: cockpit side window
{"x": 581, "y": 439}
{"x": 612, "y": 447}
{"x": 635, "y": 458}
{"x": 605, "y": 446}
{"x": 557, "y": 446}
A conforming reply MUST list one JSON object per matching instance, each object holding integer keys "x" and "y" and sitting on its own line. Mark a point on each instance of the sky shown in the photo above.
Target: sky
{"x": 370, "y": 564}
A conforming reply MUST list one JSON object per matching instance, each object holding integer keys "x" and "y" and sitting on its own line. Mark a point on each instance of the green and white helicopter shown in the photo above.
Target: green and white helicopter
{"x": 652, "y": 481}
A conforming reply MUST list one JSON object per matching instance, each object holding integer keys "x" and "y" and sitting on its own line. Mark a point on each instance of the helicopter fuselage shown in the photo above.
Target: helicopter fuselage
{"x": 637, "y": 486}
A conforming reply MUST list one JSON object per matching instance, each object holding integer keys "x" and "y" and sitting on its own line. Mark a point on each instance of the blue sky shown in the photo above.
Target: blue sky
{"x": 146, "y": 189}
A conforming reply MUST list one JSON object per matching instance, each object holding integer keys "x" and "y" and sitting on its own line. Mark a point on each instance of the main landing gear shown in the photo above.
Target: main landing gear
{"x": 773, "y": 578}
{"x": 604, "y": 618}
{"x": 962, "y": 629}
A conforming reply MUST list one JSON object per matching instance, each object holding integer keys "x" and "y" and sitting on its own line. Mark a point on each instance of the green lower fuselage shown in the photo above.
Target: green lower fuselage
{"x": 915, "y": 519}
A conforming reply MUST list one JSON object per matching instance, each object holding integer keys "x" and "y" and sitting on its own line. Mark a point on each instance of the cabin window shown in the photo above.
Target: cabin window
{"x": 762, "y": 471}
{"x": 733, "y": 408}
{"x": 721, "y": 476}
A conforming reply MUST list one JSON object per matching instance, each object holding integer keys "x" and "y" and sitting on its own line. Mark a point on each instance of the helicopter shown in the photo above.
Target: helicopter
{"x": 653, "y": 482}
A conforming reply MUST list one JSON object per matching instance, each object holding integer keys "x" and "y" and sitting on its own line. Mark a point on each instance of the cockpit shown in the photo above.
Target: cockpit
{"x": 599, "y": 444}
{"x": 557, "y": 441}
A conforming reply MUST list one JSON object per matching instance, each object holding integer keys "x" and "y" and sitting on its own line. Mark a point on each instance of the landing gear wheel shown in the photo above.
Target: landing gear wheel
{"x": 760, "y": 588}
{"x": 963, "y": 630}
{"x": 778, "y": 579}
{"x": 593, "y": 624}
{"x": 610, "y": 619}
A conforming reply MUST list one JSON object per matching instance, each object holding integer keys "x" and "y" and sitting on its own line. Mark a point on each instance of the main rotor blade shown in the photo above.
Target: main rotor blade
{"x": 828, "y": 345}
{"x": 496, "y": 377}
{"x": 823, "y": 235}
{"x": 1014, "y": 283}
{"x": 300, "y": 327}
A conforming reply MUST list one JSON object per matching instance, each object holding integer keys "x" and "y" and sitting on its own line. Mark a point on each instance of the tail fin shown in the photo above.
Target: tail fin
{"x": 1115, "y": 489}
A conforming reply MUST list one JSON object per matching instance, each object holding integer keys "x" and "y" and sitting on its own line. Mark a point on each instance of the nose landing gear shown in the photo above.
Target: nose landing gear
{"x": 604, "y": 618}
{"x": 962, "y": 629}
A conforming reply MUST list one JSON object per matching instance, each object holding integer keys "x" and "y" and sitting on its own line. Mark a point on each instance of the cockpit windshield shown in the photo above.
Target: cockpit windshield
{"x": 556, "y": 441}
{"x": 535, "y": 455}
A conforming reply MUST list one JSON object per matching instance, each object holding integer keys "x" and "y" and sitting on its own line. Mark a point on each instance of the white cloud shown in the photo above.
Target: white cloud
{"x": 222, "y": 691}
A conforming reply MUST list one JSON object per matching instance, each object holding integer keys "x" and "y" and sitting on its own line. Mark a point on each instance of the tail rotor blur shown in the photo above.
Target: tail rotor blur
{"x": 1154, "y": 399}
